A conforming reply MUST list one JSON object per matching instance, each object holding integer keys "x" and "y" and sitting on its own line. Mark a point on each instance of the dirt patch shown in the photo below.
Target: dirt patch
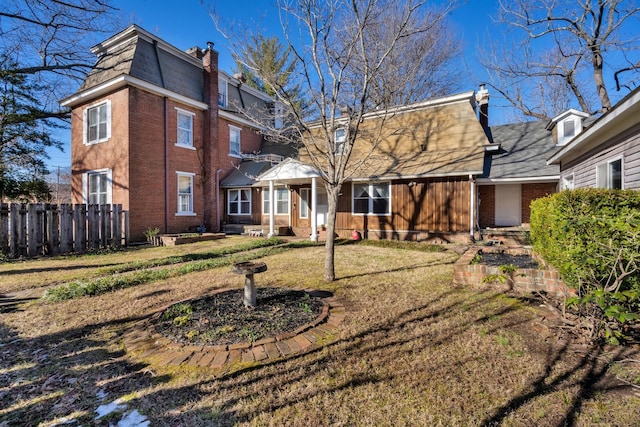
{"x": 222, "y": 318}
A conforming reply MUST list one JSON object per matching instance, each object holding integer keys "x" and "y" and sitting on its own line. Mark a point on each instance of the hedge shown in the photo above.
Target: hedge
{"x": 592, "y": 237}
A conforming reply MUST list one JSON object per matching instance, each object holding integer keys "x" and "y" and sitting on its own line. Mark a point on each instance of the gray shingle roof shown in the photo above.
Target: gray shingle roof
{"x": 524, "y": 149}
{"x": 244, "y": 175}
{"x": 141, "y": 59}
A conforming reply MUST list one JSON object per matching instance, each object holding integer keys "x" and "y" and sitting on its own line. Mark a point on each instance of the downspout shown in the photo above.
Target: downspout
{"x": 166, "y": 166}
{"x": 217, "y": 188}
{"x": 166, "y": 141}
{"x": 472, "y": 204}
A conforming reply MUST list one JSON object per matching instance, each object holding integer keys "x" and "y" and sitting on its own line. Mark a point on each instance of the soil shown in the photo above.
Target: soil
{"x": 223, "y": 319}
{"x": 500, "y": 258}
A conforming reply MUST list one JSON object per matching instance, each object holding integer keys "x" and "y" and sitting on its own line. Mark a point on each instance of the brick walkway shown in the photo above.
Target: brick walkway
{"x": 144, "y": 342}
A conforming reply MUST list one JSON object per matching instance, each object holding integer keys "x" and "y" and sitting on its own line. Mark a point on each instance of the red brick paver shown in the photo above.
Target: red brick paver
{"x": 144, "y": 342}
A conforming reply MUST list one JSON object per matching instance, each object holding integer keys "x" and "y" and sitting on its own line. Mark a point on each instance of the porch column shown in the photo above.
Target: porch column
{"x": 472, "y": 204}
{"x": 272, "y": 202}
{"x": 314, "y": 207}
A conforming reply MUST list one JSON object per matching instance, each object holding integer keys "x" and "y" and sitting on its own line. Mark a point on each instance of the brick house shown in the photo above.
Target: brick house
{"x": 156, "y": 129}
{"x": 163, "y": 132}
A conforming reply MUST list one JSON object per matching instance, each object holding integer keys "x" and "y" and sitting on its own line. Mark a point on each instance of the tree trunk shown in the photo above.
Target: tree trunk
{"x": 596, "y": 60}
{"x": 329, "y": 252}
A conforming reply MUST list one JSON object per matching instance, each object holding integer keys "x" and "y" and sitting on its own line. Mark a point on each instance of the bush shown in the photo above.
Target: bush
{"x": 592, "y": 237}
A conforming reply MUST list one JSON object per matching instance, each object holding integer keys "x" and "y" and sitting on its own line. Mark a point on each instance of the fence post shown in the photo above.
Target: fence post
{"x": 80, "y": 226}
{"x": 126, "y": 228}
{"x": 32, "y": 230}
{"x": 116, "y": 225}
{"x": 4, "y": 228}
{"x": 22, "y": 229}
{"x": 53, "y": 229}
{"x": 93, "y": 226}
{"x": 105, "y": 222}
{"x": 66, "y": 228}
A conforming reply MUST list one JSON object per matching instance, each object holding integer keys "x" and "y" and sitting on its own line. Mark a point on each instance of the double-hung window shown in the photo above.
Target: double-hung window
{"x": 234, "y": 141}
{"x": 567, "y": 182}
{"x": 340, "y": 137}
{"x": 282, "y": 201}
{"x": 185, "y": 128}
{"x": 97, "y": 187}
{"x": 185, "y": 193}
{"x": 239, "y": 202}
{"x": 609, "y": 174}
{"x": 97, "y": 123}
{"x": 372, "y": 198}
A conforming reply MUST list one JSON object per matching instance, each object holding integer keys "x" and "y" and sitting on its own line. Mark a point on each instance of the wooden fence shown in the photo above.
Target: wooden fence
{"x": 29, "y": 230}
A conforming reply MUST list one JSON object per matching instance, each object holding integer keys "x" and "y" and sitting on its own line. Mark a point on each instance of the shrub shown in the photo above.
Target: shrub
{"x": 592, "y": 237}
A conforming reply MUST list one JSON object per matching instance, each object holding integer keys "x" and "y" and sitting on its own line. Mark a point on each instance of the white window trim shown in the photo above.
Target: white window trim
{"x": 566, "y": 179}
{"x": 370, "y": 213}
{"x": 180, "y": 111}
{"x": 85, "y": 184}
{"x": 239, "y": 153}
{"x": 342, "y": 141}
{"x": 85, "y": 122}
{"x": 239, "y": 190}
{"x": 608, "y": 163}
{"x": 275, "y": 191}
{"x": 577, "y": 129}
{"x": 192, "y": 211}
{"x": 305, "y": 205}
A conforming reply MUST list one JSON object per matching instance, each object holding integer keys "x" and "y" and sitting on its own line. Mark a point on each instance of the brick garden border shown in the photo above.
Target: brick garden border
{"x": 525, "y": 280}
{"x": 143, "y": 341}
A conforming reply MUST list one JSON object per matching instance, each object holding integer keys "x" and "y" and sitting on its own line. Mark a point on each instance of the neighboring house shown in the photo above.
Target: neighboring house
{"x": 440, "y": 174}
{"x": 156, "y": 129}
{"x": 418, "y": 183}
{"x": 606, "y": 154}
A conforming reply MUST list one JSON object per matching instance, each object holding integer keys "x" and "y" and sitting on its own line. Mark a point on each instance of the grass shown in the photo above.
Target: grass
{"x": 412, "y": 350}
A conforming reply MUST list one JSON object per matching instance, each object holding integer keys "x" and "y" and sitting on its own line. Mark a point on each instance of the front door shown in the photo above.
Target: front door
{"x": 508, "y": 205}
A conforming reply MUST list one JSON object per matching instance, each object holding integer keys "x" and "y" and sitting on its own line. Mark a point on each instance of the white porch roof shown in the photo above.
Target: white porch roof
{"x": 290, "y": 171}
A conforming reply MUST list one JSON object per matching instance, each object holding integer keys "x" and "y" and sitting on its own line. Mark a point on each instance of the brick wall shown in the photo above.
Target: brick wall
{"x": 487, "y": 208}
{"x": 524, "y": 280}
{"x": 531, "y": 192}
{"x": 112, "y": 154}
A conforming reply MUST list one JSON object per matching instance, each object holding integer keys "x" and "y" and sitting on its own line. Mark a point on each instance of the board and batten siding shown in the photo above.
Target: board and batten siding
{"x": 436, "y": 205}
{"x": 625, "y": 146}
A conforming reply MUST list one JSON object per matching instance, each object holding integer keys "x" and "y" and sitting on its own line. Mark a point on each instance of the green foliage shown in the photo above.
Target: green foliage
{"x": 176, "y": 310}
{"x": 506, "y": 273}
{"x": 151, "y": 232}
{"x": 592, "y": 237}
{"x": 24, "y": 135}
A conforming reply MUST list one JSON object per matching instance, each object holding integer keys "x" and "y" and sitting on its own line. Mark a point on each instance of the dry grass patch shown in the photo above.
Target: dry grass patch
{"x": 412, "y": 350}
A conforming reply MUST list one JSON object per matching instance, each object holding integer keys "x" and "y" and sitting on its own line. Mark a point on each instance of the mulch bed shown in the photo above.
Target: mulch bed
{"x": 500, "y": 258}
{"x": 222, "y": 318}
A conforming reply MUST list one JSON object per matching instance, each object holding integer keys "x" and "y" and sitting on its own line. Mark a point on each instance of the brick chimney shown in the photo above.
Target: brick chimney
{"x": 482, "y": 98}
{"x": 211, "y": 153}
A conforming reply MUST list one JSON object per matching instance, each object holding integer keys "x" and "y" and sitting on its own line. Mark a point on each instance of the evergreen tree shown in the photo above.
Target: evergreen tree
{"x": 24, "y": 134}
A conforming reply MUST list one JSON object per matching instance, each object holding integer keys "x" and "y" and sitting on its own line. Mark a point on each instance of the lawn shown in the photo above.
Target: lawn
{"x": 412, "y": 350}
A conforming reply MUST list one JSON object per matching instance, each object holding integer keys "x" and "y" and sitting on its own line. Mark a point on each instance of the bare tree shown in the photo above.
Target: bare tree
{"x": 354, "y": 58}
{"x": 566, "y": 53}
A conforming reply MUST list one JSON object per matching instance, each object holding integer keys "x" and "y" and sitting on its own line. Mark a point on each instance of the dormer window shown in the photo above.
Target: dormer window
{"x": 222, "y": 92}
{"x": 568, "y": 125}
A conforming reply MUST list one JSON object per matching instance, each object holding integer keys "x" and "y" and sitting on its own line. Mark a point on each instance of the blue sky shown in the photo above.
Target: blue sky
{"x": 187, "y": 23}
